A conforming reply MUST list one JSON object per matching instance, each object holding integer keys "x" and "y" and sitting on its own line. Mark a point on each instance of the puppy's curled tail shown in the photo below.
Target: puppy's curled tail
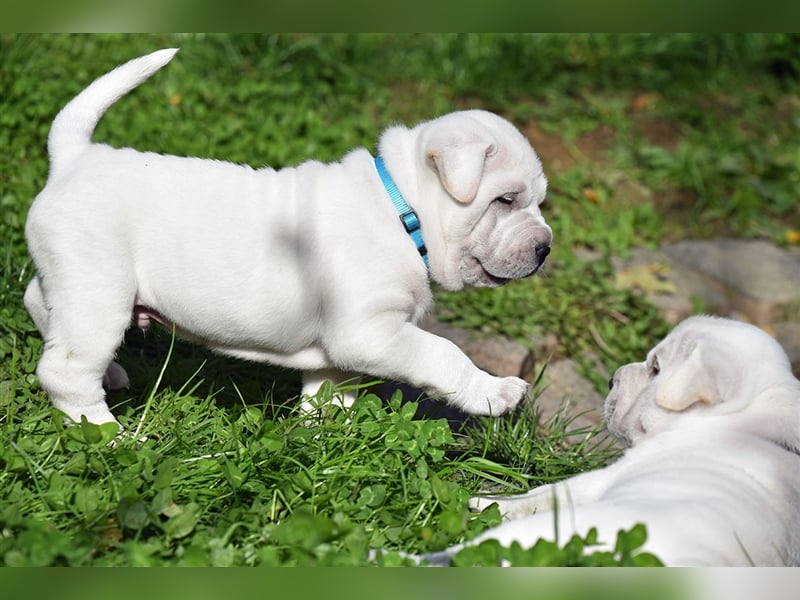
{"x": 72, "y": 128}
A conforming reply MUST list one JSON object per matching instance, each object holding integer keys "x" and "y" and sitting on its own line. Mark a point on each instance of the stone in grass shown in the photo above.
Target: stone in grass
{"x": 572, "y": 397}
{"x": 682, "y": 289}
{"x": 758, "y": 278}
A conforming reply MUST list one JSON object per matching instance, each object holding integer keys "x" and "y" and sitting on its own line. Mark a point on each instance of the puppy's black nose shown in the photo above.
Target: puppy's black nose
{"x": 542, "y": 251}
{"x": 610, "y": 384}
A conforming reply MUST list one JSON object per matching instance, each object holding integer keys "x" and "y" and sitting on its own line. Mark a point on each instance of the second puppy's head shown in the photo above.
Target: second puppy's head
{"x": 708, "y": 368}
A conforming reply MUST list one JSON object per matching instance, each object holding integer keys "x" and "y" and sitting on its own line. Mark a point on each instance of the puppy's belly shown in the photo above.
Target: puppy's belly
{"x": 286, "y": 338}
{"x": 312, "y": 358}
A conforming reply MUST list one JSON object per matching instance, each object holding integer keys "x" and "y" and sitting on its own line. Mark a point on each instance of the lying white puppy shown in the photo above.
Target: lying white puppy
{"x": 713, "y": 420}
{"x": 307, "y": 267}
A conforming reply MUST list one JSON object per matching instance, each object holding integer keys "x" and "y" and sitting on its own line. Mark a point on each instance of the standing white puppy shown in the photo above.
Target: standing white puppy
{"x": 713, "y": 420}
{"x": 309, "y": 267}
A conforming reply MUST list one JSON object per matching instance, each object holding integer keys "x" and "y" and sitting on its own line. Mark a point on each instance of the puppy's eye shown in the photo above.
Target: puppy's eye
{"x": 655, "y": 368}
{"x": 506, "y": 198}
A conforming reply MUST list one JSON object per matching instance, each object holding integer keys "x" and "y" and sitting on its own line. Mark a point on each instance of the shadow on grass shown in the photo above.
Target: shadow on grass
{"x": 232, "y": 381}
{"x": 229, "y": 381}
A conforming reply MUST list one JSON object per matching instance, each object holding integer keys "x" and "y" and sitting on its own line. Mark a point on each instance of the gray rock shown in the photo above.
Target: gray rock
{"x": 723, "y": 276}
{"x": 568, "y": 393}
{"x": 497, "y": 355}
{"x": 689, "y": 288}
{"x": 757, "y": 278}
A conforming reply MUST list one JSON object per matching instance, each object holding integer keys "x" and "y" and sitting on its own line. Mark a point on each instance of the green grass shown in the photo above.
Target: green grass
{"x": 197, "y": 481}
{"x": 644, "y": 138}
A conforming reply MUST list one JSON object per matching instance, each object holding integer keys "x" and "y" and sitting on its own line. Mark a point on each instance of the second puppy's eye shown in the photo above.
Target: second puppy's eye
{"x": 655, "y": 368}
{"x": 506, "y": 198}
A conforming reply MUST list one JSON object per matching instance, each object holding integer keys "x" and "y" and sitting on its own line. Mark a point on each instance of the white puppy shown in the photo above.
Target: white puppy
{"x": 713, "y": 420}
{"x": 307, "y": 267}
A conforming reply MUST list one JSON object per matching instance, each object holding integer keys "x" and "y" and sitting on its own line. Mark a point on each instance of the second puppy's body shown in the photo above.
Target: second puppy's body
{"x": 723, "y": 499}
{"x": 307, "y": 267}
{"x": 712, "y": 418}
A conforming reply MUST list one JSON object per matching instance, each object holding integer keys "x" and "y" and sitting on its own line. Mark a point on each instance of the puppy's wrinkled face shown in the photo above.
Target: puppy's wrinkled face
{"x": 509, "y": 238}
{"x": 493, "y": 229}
{"x": 628, "y": 391}
{"x": 705, "y": 366}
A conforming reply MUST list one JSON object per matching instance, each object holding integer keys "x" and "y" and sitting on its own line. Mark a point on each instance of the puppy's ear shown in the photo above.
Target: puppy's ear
{"x": 690, "y": 381}
{"x": 460, "y": 166}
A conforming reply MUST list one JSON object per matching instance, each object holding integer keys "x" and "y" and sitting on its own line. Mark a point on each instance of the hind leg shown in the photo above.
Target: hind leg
{"x": 115, "y": 377}
{"x": 82, "y": 327}
{"x": 34, "y": 303}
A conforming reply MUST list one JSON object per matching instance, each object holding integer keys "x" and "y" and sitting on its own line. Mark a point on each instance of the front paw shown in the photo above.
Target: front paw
{"x": 495, "y": 396}
{"x": 479, "y": 503}
{"x": 504, "y": 503}
{"x": 510, "y": 507}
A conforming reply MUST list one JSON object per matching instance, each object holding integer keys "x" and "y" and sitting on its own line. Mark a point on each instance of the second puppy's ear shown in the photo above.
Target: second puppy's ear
{"x": 460, "y": 166}
{"x": 689, "y": 382}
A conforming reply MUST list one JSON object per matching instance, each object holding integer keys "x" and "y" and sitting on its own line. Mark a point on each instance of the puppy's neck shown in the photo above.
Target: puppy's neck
{"x": 397, "y": 146}
{"x": 407, "y": 214}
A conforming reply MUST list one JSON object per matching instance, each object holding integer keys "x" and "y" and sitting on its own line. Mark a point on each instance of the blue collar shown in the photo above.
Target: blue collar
{"x": 407, "y": 215}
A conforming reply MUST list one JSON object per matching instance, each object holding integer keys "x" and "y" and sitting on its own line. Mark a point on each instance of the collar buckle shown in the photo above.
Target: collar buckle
{"x": 410, "y": 220}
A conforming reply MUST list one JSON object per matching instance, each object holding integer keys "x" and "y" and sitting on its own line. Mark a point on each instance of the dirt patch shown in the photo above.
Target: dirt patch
{"x": 786, "y": 107}
{"x": 657, "y": 131}
{"x": 551, "y": 148}
{"x": 677, "y": 207}
{"x": 559, "y": 156}
{"x": 595, "y": 144}
{"x": 723, "y": 105}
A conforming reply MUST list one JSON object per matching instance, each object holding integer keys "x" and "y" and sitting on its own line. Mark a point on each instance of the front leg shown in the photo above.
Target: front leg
{"x": 581, "y": 489}
{"x": 540, "y": 499}
{"x": 398, "y": 350}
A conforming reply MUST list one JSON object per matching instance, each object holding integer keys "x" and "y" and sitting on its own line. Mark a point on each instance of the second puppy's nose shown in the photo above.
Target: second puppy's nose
{"x": 542, "y": 251}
